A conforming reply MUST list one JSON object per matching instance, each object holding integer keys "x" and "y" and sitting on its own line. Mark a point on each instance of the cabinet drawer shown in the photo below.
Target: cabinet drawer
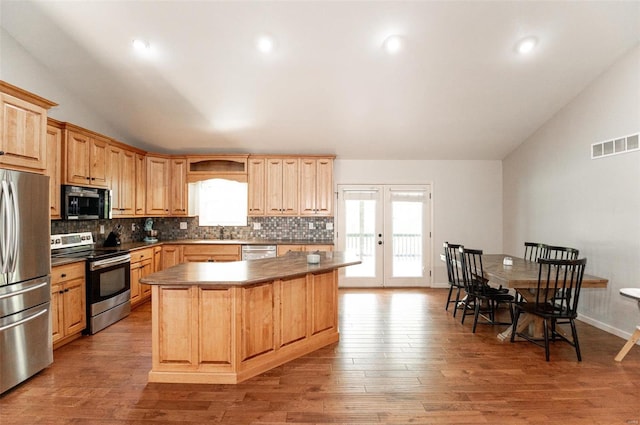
{"x": 67, "y": 272}
{"x": 141, "y": 255}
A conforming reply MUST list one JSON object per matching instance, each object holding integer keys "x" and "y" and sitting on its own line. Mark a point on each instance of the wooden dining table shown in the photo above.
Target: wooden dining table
{"x": 522, "y": 276}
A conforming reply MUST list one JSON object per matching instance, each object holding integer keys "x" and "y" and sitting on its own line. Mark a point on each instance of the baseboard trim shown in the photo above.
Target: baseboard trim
{"x": 603, "y": 326}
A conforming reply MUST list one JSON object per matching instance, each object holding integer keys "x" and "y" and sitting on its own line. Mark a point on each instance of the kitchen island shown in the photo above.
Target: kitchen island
{"x": 222, "y": 323}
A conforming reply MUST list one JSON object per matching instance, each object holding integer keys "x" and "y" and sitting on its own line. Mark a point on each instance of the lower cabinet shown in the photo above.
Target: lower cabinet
{"x": 171, "y": 256}
{"x": 142, "y": 262}
{"x": 68, "y": 302}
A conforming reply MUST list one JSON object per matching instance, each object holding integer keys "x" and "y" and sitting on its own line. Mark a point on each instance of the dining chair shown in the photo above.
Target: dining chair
{"x": 556, "y": 302}
{"x": 454, "y": 273}
{"x": 482, "y": 299}
{"x": 561, "y": 253}
{"x": 534, "y": 250}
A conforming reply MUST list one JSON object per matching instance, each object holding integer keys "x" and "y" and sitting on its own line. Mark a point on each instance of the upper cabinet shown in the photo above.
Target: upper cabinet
{"x": 282, "y": 186}
{"x": 316, "y": 186}
{"x": 178, "y": 187}
{"x": 158, "y": 185}
{"x": 256, "y": 175}
{"x": 121, "y": 180}
{"x": 86, "y": 157}
{"x": 54, "y": 165}
{"x": 23, "y": 133}
{"x": 141, "y": 184}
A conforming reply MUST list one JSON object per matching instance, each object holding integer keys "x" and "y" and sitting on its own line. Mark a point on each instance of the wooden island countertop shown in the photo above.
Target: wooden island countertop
{"x": 223, "y": 323}
{"x": 242, "y": 273}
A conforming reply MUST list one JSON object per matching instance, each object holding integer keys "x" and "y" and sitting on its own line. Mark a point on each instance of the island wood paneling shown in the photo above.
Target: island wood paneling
{"x": 257, "y": 320}
{"x": 292, "y": 310}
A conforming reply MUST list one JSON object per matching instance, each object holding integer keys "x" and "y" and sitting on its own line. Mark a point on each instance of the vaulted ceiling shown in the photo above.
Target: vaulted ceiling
{"x": 457, "y": 89}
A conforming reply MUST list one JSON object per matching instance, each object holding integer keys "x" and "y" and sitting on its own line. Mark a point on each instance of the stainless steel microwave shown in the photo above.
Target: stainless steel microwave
{"x": 86, "y": 203}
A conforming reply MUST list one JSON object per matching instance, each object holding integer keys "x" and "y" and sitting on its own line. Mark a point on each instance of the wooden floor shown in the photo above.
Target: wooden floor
{"x": 401, "y": 360}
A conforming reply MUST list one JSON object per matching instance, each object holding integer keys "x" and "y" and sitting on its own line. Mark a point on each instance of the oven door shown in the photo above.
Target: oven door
{"x": 108, "y": 278}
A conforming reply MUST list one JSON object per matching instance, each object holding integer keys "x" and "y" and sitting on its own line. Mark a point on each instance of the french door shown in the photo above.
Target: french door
{"x": 388, "y": 228}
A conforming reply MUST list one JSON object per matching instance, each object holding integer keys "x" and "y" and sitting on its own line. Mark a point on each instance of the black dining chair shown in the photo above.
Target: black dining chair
{"x": 482, "y": 299}
{"x": 454, "y": 273}
{"x": 556, "y": 302}
{"x": 534, "y": 250}
{"x": 561, "y": 253}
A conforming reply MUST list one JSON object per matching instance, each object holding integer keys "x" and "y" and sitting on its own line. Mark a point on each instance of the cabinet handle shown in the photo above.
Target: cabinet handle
{"x": 1, "y": 152}
{"x": 60, "y": 292}
{"x": 63, "y": 275}
{"x": 66, "y": 290}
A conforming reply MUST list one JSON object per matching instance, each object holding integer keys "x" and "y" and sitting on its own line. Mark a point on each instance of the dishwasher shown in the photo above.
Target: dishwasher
{"x": 255, "y": 252}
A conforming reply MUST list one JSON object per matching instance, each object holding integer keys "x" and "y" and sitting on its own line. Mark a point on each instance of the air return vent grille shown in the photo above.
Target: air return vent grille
{"x": 615, "y": 146}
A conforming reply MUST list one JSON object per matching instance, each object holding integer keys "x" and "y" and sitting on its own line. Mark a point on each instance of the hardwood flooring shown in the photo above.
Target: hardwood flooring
{"x": 401, "y": 360}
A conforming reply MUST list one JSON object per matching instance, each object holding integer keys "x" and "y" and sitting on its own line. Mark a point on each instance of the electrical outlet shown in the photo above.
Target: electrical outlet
{"x": 257, "y": 226}
{"x": 329, "y": 226}
{"x": 311, "y": 226}
{"x": 183, "y": 225}
{"x": 133, "y": 227}
{"x": 102, "y": 229}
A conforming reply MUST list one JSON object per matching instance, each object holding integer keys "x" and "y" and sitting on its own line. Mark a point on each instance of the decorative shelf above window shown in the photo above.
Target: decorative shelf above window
{"x": 205, "y": 167}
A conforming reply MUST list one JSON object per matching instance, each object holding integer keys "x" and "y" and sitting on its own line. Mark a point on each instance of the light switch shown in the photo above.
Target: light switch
{"x": 311, "y": 226}
{"x": 102, "y": 229}
{"x": 183, "y": 225}
{"x": 329, "y": 226}
{"x": 257, "y": 226}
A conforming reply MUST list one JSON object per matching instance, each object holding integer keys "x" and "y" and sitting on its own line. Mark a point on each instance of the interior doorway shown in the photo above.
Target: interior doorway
{"x": 389, "y": 228}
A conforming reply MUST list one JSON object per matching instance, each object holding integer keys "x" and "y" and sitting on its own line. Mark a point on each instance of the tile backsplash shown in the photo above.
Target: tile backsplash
{"x": 169, "y": 228}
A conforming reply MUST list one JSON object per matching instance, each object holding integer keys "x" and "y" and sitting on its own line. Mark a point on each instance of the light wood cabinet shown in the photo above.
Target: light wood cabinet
{"x": 158, "y": 186}
{"x": 178, "y": 185}
{"x": 86, "y": 157}
{"x": 282, "y": 186}
{"x": 121, "y": 181}
{"x": 23, "y": 129}
{"x": 171, "y": 256}
{"x": 210, "y": 253}
{"x": 316, "y": 186}
{"x": 68, "y": 302}
{"x": 256, "y": 187}
{"x": 54, "y": 166}
{"x": 142, "y": 263}
{"x": 141, "y": 184}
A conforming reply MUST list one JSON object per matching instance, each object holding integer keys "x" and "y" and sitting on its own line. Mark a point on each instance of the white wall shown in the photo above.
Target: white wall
{"x": 19, "y": 68}
{"x": 466, "y": 199}
{"x": 554, "y": 193}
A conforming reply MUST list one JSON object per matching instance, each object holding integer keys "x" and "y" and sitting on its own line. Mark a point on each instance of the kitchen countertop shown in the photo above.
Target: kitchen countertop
{"x": 243, "y": 273}
{"x": 56, "y": 261}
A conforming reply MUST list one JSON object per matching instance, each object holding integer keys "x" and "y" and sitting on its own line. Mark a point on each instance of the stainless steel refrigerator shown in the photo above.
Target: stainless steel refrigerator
{"x": 25, "y": 282}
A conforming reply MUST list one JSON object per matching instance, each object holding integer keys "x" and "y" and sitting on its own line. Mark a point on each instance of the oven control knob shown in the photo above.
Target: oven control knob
{"x": 53, "y": 241}
{"x": 57, "y": 240}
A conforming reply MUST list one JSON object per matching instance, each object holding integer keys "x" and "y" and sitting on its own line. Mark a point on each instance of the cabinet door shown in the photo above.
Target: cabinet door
{"x": 145, "y": 270}
{"x": 274, "y": 186}
{"x": 57, "y": 312}
{"x": 256, "y": 187}
{"x": 290, "y": 186}
{"x": 77, "y": 148}
{"x": 171, "y": 256}
{"x": 135, "y": 282}
{"x": 178, "y": 187}
{"x": 22, "y": 134}
{"x": 157, "y": 258}
{"x": 307, "y": 186}
{"x": 98, "y": 162}
{"x": 127, "y": 183}
{"x": 141, "y": 184}
{"x": 158, "y": 187}
{"x": 324, "y": 187}
{"x": 75, "y": 319}
{"x": 54, "y": 171}
{"x": 114, "y": 159}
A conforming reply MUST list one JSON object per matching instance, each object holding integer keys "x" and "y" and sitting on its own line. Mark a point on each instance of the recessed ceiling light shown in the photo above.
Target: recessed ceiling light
{"x": 526, "y": 45}
{"x": 265, "y": 43}
{"x": 393, "y": 44}
{"x": 140, "y": 44}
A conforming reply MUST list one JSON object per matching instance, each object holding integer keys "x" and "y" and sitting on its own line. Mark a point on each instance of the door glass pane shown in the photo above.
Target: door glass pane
{"x": 360, "y": 218}
{"x": 407, "y": 238}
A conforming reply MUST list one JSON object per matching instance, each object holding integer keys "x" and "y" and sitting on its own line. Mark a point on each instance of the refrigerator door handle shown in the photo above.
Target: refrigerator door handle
{"x": 24, "y": 290}
{"x": 25, "y": 320}
{"x": 4, "y": 226}
{"x": 14, "y": 232}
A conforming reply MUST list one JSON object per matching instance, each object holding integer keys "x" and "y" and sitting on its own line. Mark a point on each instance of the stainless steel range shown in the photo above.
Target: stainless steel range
{"x": 108, "y": 277}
